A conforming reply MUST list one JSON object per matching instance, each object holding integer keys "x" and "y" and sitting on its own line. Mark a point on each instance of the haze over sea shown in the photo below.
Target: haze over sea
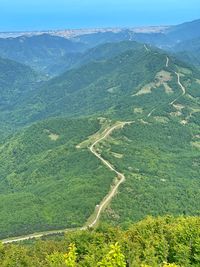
{"x": 21, "y": 15}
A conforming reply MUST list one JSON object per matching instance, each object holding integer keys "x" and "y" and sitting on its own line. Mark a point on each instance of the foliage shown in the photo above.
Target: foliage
{"x": 161, "y": 165}
{"x": 42, "y": 52}
{"x": 15, "y": 79}
{"x": 58, "y": 259}
{"x": 70, "y": 260}
{"x": 55, "y": 185}
{"x": 44, "y": 181}
{"x": 96, "y": 88}
{"x": 162, "y": 241}
{"x": 113, "y": 258}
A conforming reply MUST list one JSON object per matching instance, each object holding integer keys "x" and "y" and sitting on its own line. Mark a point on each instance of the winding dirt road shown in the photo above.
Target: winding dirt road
{"x": 179, "y": 83}
{"x": 120, "y": 176}
{"x": 103, "y": 203}
{"x": 146, "y": 48}
{"x": 167, "y": 63}
{"x": 182, "y": 88}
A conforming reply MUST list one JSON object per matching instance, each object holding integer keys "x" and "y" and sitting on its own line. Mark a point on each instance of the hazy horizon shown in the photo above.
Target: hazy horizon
{"x": 20, "y": 15}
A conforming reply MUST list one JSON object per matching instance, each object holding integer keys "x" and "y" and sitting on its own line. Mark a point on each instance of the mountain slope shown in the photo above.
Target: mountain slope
{"x": 96, "y": 39}
{"x": 96, "y": 87}
{"x": 189, "y": 51}
{"x": 44, "y": 178}
{"x": 39, "y": 52}
{"x": 15, "y": 80}
{"x": 160, "y": 159}
{"x": 107, "y": 87}
{"x": 45, "y": 169}
{"x": 184, "y": 31}
{"x": 98, "y": 53}
{"x": 165, "y": 38}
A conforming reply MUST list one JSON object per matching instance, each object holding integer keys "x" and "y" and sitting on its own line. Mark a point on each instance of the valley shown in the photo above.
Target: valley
{"x": 99, "y": 138}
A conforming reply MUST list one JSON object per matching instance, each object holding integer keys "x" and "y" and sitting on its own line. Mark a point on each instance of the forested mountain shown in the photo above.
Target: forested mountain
{"x": 189, "y": 51}
{"x": 95, "y": 39}
{"x": 14, "y": 79}
{"x": 97, "y": 87}
{"x": 46, "y": 171}
{"x": 97, "y": 53}
{"x": 101, "y": 130}
{"x": 184, "y": 31}
{"x": 40, "y": 52}
{"x": 166, "y": 37}
{"x": 53, "y": 55}
{"x": 44, "y": 178}
{"x": 172, "y": 35}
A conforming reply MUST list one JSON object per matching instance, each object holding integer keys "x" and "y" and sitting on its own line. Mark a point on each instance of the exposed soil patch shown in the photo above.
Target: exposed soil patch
{"x": 161, "y": 78}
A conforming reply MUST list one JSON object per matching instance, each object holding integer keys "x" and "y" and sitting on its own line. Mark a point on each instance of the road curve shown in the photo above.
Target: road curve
{"x": 182, "y": 88}
{"x": 179, "y": 83}
{"x": 103, "y": 203}
{"x": 167, "y": 62}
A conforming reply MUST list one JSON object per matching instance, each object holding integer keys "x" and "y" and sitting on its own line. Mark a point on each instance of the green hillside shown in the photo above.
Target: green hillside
{"x": 97, "y": 53}
{"x": 185, "y": 31}
{"x": 99, "y": 38}
{"x": 41, "y": 52}
{"x": 160, "y": 159}
{"x": 44, "y": 178}
{"x": 100, "y": 87}
{"x": 189, "y": 51}
{"x": 16, "y": 80}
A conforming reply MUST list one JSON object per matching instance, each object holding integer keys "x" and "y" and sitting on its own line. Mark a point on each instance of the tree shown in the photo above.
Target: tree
{"x": 114, "y": 258}
{"x": 58, "y": 259}
{"x": 70, "y": 257}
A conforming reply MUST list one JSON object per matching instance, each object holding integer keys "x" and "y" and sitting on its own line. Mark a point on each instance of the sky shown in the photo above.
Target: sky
{"x": 27, "y": 15}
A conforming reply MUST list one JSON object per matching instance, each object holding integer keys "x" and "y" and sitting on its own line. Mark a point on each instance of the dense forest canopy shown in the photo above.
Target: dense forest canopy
{"x": 163, "y": 241}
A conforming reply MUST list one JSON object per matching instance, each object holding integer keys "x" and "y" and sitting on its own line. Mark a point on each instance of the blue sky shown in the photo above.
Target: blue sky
{"x": 59, "y": 14}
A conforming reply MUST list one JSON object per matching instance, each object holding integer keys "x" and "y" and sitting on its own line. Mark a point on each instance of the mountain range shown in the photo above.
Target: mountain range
{"x": 74, "y": 109}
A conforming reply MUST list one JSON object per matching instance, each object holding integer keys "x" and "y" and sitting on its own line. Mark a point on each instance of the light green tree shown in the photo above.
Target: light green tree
{"x": 70, "y": 257}
{"x": 58, "y": 259}
{"x": 114, "y": 258}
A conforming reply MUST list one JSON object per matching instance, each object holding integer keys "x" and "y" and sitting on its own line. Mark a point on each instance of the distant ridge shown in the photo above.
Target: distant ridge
{"x": 70, "y": 33}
